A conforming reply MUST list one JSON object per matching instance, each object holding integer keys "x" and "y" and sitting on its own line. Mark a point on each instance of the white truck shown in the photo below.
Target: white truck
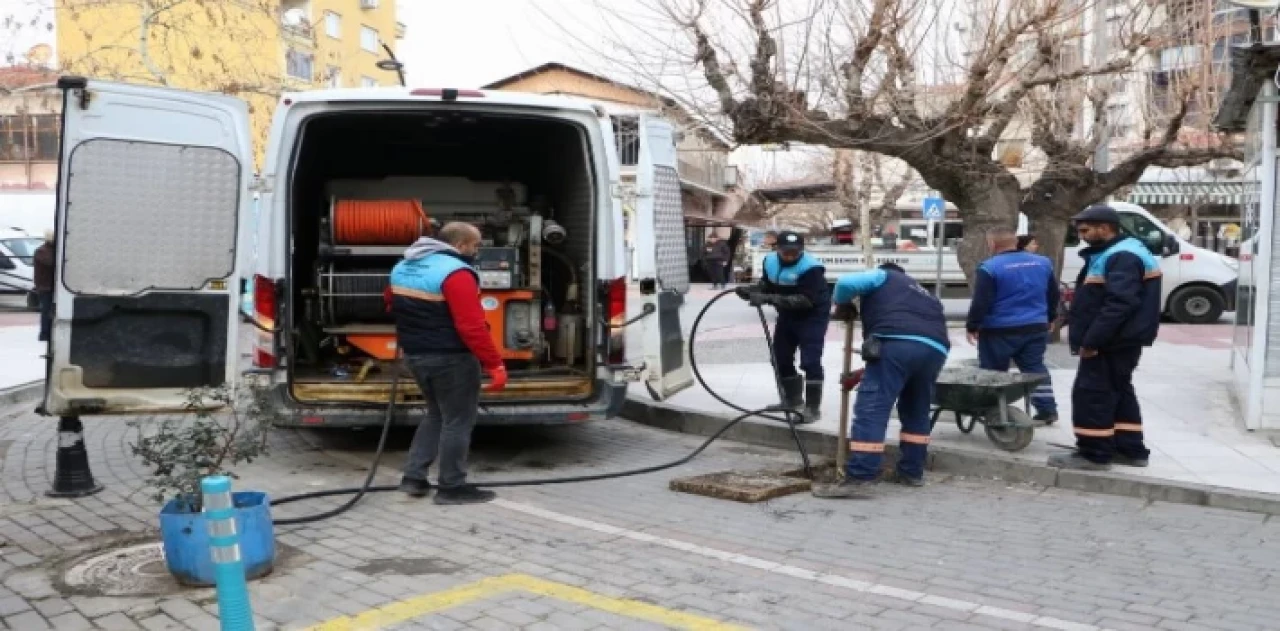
{"x": 1198, "y": 286}
{"x": 147, "y": 308}
{"x": 17, "y": 269}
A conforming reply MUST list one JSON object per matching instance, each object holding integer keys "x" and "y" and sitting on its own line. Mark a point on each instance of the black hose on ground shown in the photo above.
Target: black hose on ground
{"x": 787, "y": 416}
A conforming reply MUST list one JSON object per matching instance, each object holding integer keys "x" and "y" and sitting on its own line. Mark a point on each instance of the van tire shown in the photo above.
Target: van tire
{"x": 1196, "y": 305}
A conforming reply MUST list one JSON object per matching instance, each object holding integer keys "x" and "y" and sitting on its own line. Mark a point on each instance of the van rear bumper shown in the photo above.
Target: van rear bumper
{"x": 607, "y": 404}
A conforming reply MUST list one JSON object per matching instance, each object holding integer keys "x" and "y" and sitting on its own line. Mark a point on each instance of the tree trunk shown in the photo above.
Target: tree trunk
{"x": 989, "y": 205}
{"x": 1052, "y": 234}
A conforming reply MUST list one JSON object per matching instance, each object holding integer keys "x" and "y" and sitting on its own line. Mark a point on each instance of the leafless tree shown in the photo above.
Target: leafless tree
{"x": 953, "y": 89}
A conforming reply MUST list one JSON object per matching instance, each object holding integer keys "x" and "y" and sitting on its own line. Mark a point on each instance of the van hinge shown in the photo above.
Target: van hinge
{"x": 261, "y": 184}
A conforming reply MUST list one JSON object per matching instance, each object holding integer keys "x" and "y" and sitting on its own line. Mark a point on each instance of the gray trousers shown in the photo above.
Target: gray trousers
{"x": 451, "y": 385}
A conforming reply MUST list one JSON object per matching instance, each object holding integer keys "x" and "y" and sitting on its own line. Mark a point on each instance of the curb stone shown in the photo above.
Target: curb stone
{"x": 22, "y": 393}
{"x": 958, "y": 461}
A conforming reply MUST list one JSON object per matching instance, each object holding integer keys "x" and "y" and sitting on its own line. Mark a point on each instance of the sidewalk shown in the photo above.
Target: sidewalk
{"x": 1183, "y": 384}
{"x": 20, "y": 353}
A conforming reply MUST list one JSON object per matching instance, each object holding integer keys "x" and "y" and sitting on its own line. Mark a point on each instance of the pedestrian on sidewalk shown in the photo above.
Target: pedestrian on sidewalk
{"x": 905, "y": 344}
{"x": 43, "y": 261}
{"x": 1114, "y": 314}
{"x": 440, "y": 327}
{"x": 795, "y": 283}
{"x": 715, "y": 256}
{"x": 1028, "y": 243}
{"x": 1015, "y": 300}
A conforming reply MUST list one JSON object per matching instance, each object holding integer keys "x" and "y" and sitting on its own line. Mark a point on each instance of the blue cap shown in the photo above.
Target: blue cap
{"x": 1097, "y": 213}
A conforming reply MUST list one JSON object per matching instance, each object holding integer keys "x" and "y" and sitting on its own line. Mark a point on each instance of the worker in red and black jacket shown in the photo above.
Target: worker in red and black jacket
{"x": 441, "y": 329}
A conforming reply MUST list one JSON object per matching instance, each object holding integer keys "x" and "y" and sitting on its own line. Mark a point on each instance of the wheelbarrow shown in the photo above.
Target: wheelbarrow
{"x": 988, "y": 397}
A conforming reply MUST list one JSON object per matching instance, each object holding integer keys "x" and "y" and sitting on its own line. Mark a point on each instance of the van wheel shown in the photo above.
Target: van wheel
{"x": 1196, "y": 305}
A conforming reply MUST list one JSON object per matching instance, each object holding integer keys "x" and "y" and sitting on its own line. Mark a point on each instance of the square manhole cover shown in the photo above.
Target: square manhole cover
{"x": 739, "y": 486}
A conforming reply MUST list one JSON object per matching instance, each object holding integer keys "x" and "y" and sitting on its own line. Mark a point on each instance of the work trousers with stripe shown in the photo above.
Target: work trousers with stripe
{"x": 1104, "y": 407}
{"x": 905, "y": 374}
{"x": 1024, "y": 350}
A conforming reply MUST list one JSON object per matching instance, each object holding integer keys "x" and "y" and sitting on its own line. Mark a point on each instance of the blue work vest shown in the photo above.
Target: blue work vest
{"x": 424, "y": 324}
{"x": 788, "y": 276}
{"x": 1097, "y": 270}
{"x": 901, "y": 307}
{"x": 1021, "y": 290}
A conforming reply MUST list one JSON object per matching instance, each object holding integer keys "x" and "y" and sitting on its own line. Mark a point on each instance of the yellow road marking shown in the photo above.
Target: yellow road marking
{"x": 418, "y": 606}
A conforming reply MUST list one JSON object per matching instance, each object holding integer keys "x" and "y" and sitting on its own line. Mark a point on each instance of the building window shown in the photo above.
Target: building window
{"x": 29, "y": 138}
{"x": 299, "y": 65}
{"x": 335, "y": 77}
{"x": 333, "y": 25}
{"x": 369, "y": 39}
{"x": 368, "y": 82}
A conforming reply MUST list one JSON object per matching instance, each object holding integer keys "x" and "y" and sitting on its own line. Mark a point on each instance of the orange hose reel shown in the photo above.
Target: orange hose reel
{"x": 378, "y": 221}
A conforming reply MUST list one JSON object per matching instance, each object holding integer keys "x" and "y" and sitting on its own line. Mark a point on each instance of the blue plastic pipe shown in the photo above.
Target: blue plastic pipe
{"x": 235, "y": 613}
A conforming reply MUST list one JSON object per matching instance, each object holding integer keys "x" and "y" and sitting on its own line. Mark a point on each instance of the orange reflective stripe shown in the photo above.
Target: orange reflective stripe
{"x": 1095, "y": 280}
{"x": 1151, "y": 275}
{"x": 915, "y": 439}
{"x": 874, "y": 448}
{"x": 1128, "y": 427}
{"x": 1096, "y": 433}
{"x": 417, "y": 294}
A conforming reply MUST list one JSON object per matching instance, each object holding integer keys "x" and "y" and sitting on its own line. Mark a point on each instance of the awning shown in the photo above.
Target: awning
{"x": 1193, "y": 193}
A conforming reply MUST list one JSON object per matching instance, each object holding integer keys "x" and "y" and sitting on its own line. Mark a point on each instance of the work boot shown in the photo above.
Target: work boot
{"x": 413, "y": 487}
{"x": 792, "y": 394}
{"x": 812, "y": 401}
{"x": 1073, "y": 460}
{"x": 1048, "y": 418}
{"x": 898, "y": 477}
{"x": 465, "y": 494}
{"x": 849, "y": 488}
{"x": 1129, "y": 461}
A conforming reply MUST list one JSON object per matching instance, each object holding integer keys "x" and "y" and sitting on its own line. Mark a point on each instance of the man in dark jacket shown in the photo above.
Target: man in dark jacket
{"x": 795, "y": 283}
{"x": 905, "y": 344}
{"x": 1115, "y": 313}
{"x": 43, "y": 262}
{"x": 441, "y": 329}
{"x": 1015, "y": 299}
{"x": 715, "y": 256}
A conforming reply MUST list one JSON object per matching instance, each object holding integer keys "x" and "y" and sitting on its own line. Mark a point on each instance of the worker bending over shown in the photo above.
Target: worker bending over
{"x": 1116, "y": 312}
{"x": 1015, "y": 300}
{"x": 440, "y": 327}
{"x": 795, "y": 283}
{"x": 905, "y": 344}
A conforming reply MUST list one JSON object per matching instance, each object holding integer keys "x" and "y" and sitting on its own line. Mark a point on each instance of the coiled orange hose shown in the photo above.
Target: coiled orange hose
{"x": 378, "y": 221}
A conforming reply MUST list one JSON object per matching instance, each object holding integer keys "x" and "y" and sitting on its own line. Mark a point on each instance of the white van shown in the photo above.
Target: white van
{"x": 1197, "y": 284}
{"x": 17, "y": 269}
{"x": 165, "y": 178}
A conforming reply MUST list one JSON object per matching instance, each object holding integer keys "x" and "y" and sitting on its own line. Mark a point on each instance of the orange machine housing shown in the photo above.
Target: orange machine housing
{"x": 383, "y": 345}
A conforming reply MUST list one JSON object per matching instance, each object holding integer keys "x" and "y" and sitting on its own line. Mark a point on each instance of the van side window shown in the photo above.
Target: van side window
{"x": 1142, "y": 229}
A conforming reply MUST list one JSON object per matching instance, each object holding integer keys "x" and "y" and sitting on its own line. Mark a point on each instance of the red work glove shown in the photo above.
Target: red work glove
{"x": 499, "y": 377}
{"x": 851, "y": 380}
{"x": 386, "y": 298}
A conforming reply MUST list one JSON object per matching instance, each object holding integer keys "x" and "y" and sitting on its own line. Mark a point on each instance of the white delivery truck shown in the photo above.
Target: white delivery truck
{"x": 155, "y": 216}
{"x": 1198, "y": 284}
{"x": 17, "y": 266}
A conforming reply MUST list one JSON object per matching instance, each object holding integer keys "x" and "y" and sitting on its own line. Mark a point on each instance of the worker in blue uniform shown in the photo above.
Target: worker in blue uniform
{"x": 795, "y": 283}
{"x": 905, "y": 344}
{"x": 1115, "y": 313}
{"x": 1015, "y": 299}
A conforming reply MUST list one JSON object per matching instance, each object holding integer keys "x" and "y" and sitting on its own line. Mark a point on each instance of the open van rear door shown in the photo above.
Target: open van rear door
{"x": 661, "y": 260}
{"x": 152, "y": 186}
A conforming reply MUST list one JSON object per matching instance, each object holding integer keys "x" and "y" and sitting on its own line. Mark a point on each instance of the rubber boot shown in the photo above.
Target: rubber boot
{"x": 792, "y": 394}
{"x": 71, "y": 476}
{"x": 812, "y": 401}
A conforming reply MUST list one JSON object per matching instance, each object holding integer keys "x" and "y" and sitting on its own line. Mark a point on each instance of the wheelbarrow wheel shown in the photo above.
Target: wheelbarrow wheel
{"x": 965, "y": 428}
{"x": 1012, "y": 437}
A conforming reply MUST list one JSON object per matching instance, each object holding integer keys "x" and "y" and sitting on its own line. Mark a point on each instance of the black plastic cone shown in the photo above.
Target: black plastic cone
{"x": 72, "y": 477}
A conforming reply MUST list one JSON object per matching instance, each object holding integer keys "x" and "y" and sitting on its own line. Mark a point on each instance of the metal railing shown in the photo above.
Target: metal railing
{"x": 696, "y": 168}
{"x": 628, "y": 141}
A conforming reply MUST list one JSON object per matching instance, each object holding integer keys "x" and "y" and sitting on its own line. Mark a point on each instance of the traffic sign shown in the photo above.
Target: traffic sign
{"x": 934, "y": 208}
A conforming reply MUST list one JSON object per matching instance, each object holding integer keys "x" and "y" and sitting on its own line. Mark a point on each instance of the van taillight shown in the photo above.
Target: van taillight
{"x": 616, "y": 309}
{"x": 264, "y": 311}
